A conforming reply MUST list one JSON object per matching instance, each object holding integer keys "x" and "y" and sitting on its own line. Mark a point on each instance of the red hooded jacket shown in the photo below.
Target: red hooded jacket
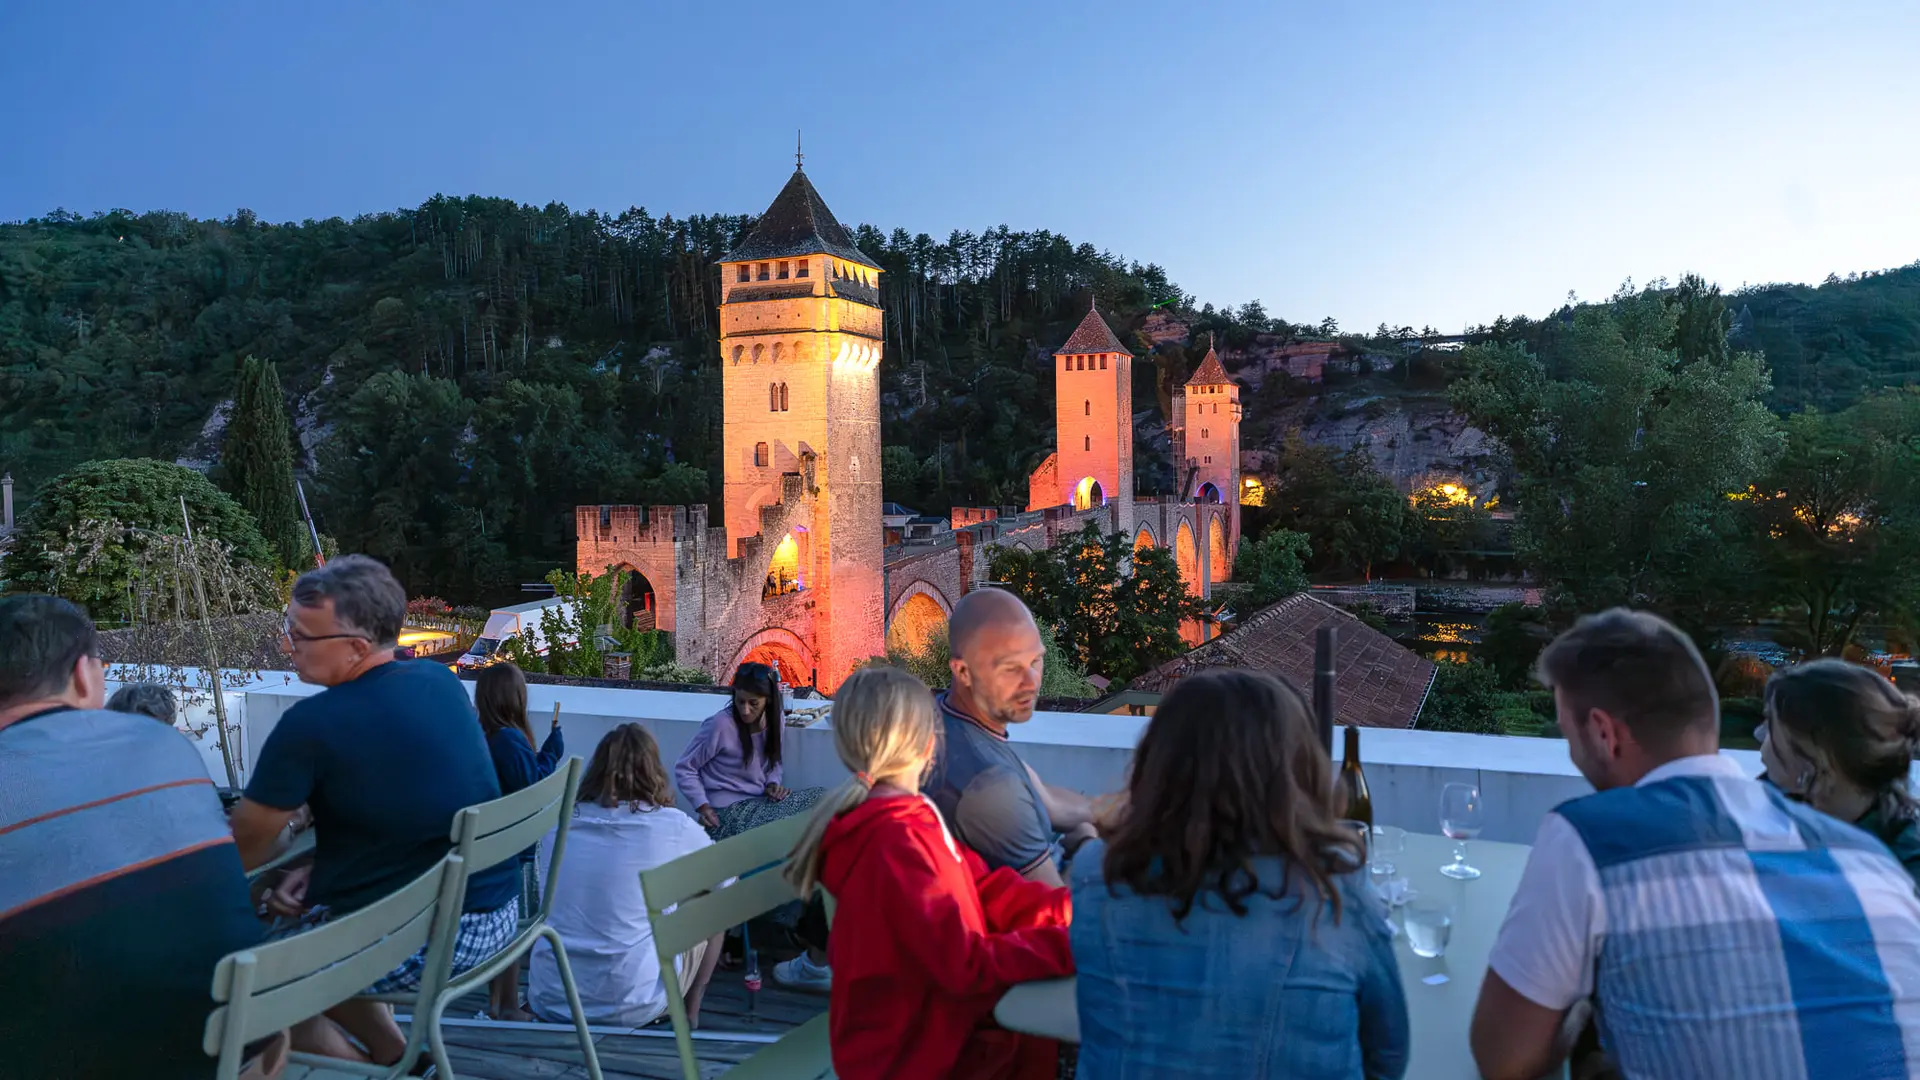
{"x": 925, "y": 941}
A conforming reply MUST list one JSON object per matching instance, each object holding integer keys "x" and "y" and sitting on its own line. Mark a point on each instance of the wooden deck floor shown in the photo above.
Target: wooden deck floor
{"x": 552, "y": 1051}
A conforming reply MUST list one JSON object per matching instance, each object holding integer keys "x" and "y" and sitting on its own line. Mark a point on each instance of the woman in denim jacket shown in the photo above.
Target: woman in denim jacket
{"x": 1220, "y": 929}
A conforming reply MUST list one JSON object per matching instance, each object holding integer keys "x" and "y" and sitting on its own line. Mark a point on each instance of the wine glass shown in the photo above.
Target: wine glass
{"x": 1462, "y": 815}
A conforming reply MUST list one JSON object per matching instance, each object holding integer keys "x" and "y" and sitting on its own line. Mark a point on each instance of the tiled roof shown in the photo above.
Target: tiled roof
{"x": 858, "y": 292}
{"x": 769, "y": 292}
{"x": 1379, "y": 683}
{"x": 1093, "y": 335}
{"x": 1209, "y": 373}
{"x": 798, "y": 223}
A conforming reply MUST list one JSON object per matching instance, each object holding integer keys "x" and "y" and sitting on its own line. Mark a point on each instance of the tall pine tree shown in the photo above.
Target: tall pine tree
{"x": 256, "y": 460}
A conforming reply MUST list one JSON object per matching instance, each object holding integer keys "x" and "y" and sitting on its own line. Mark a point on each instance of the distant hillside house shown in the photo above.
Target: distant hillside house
{"x": 1378, "y": 682}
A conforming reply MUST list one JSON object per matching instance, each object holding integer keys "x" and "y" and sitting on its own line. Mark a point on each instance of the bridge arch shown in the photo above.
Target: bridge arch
{"x": 1186, "y": 555}
{"x": 1208, "y": 493}
{"x": 637, "y": 602}
{"x": 919, "y": 614}
{"x": 1088, "y": 494}
{"x": 1219, "y": 559}
{"x": 781, "y": 649}
{"x": 1143, "y": 539}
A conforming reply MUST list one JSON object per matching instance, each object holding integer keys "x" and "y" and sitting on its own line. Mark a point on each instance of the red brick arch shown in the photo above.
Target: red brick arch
{"x": 783, "y": 649}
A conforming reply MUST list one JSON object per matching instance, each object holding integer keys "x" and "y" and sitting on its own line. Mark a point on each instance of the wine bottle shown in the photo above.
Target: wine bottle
{"x": 1353, "y": 782}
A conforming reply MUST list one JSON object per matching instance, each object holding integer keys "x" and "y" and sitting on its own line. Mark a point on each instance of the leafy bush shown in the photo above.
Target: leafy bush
{"x": 87, "y": 534}
{"x": 1464, "y": 698}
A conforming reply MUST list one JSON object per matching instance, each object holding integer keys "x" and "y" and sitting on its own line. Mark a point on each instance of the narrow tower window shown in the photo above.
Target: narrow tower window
{"x": 744, "y": 275}
{"x": 800, "y": 268}
{"x": 781, "y": 273}
{"x": 766, "y": 271}
{"x": 1103, "y": 361}
{"x": 760, "y": 454}
{"x": 783, "y": 397}
{"x": 1089, "y": 405}
{"x": 1089, "y": 442}
{"x": 773, "y": 397}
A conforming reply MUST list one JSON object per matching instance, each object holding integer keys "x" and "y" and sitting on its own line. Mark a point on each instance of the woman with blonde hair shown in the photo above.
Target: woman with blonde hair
{"x": 624, "y": 821}
{"x": 941, "y": 938}
{"x": 1841, "y": 738}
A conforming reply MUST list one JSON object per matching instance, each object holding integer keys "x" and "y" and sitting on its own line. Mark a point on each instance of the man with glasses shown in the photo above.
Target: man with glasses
{"x": 385, "y": 757}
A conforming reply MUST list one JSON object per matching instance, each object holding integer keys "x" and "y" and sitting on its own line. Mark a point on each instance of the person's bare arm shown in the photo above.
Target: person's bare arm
{"x": 256, "y": 831}
{"x": 1045, "y": 873}
{"x": 1066, "y": 808}
{"x": 1514, "y": 1038}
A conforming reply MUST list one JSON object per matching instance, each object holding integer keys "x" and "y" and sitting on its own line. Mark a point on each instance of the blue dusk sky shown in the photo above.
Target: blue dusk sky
{"x": 1421, "y": 163}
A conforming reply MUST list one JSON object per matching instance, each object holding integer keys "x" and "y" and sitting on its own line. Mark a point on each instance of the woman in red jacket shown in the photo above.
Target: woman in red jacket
{"x": 936, "y": 939}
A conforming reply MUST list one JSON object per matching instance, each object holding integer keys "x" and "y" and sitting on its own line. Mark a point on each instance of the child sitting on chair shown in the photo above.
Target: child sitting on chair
{"x": 939, "y": 938}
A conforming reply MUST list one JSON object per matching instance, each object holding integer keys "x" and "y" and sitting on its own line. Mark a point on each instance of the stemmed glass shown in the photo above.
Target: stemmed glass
{"x": 1462, "y": 815}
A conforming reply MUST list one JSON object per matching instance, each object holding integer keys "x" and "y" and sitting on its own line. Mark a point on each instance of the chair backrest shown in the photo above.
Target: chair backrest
{"x": 754, "y": 856}
{"x": 280, "y": 983}
{"x": 491, "y": 833}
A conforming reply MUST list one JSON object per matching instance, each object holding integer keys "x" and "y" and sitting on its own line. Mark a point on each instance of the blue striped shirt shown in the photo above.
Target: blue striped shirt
{"x": 1721, "y": 930}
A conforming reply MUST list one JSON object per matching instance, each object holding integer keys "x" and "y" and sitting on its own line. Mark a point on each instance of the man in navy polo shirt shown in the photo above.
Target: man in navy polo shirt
{"x": 385, "y": 757}
{"x": 991, "y": 799}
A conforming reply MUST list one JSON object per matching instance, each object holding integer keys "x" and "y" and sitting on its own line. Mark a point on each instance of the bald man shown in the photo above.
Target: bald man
{"x": 992, "y": 800}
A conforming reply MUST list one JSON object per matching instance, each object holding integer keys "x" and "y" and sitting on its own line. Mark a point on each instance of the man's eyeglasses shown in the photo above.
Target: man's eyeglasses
{"x": 292, "y": 637}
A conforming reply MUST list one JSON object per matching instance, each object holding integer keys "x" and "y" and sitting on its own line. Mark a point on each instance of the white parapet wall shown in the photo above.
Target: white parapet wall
{"x": 1521, "y": 778}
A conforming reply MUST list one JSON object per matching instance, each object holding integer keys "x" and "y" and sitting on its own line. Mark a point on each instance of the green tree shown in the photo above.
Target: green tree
{"x": 1119, "y": 611}
{"x": 1463, "y": 698}
{"x": 1442, "y": 529}
{"x": 1625, "y": 458}
{"x": 1837, "y": 526}
{"x": 84, "y": 535}
{"x": 1274, "y": 567}
{"x": 256, "y": 460}
{"x": 1353, "y": 516}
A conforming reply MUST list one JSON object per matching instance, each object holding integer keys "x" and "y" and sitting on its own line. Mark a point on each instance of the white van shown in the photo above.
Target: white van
{"x": 519, "y": 621}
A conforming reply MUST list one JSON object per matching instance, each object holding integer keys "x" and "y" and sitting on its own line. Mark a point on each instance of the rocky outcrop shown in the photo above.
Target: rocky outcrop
{"x": 1414, "y": 441}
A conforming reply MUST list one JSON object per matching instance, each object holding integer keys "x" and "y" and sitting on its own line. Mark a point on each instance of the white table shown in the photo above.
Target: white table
{"x": 1439, "y": 1014}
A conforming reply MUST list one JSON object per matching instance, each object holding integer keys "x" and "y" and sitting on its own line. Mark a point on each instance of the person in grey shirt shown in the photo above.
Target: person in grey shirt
{"x": 994, "y": 802}
{"x": 144, "y": 699}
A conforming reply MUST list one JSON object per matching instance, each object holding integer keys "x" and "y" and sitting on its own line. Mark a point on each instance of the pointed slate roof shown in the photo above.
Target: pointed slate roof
{"x": 1210, "y": 373}
{"x": 1093, "y": 335}
{"x": 798, "y": 223}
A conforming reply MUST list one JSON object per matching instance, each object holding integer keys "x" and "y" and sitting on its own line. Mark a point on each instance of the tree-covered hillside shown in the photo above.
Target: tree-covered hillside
{"x": 464, "y": 373}
{"x": 461, "y": 374}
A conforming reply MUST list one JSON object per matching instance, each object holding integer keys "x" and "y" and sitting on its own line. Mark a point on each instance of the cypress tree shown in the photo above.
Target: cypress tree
{"x": 256, "y": 459}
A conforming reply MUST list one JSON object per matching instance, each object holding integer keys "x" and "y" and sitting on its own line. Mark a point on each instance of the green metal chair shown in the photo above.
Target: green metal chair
{"x": 277, "y": 984}
{"x": 692, "y": 887}
{"x": 485, "y": 836}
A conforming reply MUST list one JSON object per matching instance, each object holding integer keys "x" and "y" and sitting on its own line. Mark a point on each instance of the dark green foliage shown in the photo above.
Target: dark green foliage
{"x": 256, "y": 461}
{"x": 120, "y": 494}
{"x": 485, "y": 366}
{"x": 1274, "y": 567}
{"x": 1353, "y": 516}
{"x": 1464, "y": 698}
{"x": 1510, "y": 643}
{"x": 1835, "y": 524}
{"x": 1625, "y": 455}
{"x": 1118, "y": 610}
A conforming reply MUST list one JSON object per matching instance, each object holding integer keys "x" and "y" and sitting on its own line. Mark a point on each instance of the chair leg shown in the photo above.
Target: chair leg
{"x": 573, "y": 1002}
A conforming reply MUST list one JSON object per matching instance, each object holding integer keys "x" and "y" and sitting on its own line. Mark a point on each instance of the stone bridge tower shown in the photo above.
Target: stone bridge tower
{"x": 800, "y": 343}
{"x": 1206, "y": 451}
{"x": 1092, "y": 464}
